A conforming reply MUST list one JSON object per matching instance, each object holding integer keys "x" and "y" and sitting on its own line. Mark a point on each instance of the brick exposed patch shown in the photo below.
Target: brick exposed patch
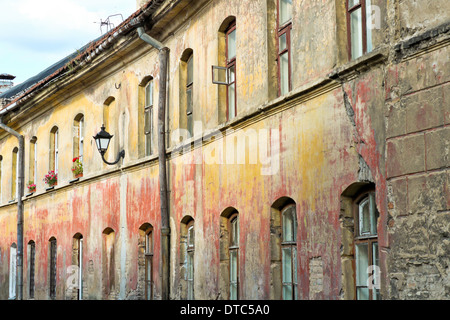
{"x": 315, "y": 277}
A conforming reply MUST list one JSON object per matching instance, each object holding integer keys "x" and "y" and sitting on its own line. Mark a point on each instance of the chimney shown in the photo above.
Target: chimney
{"x": 6, "y": 82}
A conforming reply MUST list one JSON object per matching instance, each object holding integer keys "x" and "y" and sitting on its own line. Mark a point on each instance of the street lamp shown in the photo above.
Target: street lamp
{"x": 102, "y": 140}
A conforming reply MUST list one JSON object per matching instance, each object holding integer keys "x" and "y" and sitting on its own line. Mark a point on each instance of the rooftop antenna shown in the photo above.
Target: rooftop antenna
{"x": 109, "y": 25}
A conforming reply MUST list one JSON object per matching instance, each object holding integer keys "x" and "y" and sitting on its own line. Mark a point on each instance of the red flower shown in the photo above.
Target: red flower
{"x": 75, "y": 159}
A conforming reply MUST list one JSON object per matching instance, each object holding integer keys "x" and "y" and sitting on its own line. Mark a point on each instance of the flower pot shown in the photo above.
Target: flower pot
{"x": 79, "y": 175}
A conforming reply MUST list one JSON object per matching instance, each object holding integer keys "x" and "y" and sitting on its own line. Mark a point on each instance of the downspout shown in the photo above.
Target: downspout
{"x": 19, "y": 195}
{"x": 165, "y": 227}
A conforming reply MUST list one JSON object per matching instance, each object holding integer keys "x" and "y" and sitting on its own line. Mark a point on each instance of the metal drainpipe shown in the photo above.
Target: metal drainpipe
{"x": 19, "y": 195}
{"x": 165, "y": 227}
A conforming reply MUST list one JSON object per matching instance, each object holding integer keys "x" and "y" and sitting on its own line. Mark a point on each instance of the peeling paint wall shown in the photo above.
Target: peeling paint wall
{"x": 382, "y": 119}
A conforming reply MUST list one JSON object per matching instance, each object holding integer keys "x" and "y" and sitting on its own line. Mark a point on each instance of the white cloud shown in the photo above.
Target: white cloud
{"x": 36, "y": 34}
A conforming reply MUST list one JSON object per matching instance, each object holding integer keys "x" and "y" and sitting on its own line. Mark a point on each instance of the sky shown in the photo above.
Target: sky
{"x": 34, "y": 34}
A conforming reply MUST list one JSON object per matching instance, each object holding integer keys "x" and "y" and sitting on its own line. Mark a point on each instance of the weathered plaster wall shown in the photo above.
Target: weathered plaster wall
{"x": 385, "y": 123}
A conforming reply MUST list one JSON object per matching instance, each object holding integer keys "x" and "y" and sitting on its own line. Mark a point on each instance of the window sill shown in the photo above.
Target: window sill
{"x": 29, "y": 194}
{"x": 50, "y": 188}
{"x": 354, "y": 67}
{"x": 74, "y": 180}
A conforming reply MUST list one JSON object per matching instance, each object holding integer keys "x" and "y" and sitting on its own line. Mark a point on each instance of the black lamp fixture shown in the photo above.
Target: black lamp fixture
{"x": 102, "y": 140}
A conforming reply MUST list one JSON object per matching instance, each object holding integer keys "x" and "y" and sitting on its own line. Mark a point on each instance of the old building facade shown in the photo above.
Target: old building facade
{"x": 306, "y": 145}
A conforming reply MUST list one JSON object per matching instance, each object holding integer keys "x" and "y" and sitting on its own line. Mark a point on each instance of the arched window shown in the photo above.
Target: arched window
{"x": 146, "y": 255}
{"x": 108, "y": 264}
{"x": 77, "y": 260}
{"x": 78, "y": 137}
{"x": 52, "y": 267}
{"x": 187, "y": 244}
{"x": 32, "y": 171}
{"x": 14, "y": 172}
{"x": 12, "y": 271}
{"x": 229, "y": 254}
{"x": 54, "y": 151}
{"x": 359, "y": 253}
{"x": 145, "y": 98}
{"x": 225, "y": 73}
{"x": 31, "y": 268}
{"x": 366, "y": 246}
{"x": 107, "y": 106}
{"x": 283, "y": 238}
{"x": 234, "y": 256}
{"x": 230, "y": 36}
{"x": 289, "y": 252}
{"x": 78, "y": 145}
{"x": 186, "y": 96}
{"x": 109, "y": 109}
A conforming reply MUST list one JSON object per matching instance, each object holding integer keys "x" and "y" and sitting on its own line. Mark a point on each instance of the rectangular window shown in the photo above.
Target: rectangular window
{"x": 284, "y": 45}
{"x": 148, "y": 118}
{"x": 359, "y": 27}
{"x": 33, "y": 159}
